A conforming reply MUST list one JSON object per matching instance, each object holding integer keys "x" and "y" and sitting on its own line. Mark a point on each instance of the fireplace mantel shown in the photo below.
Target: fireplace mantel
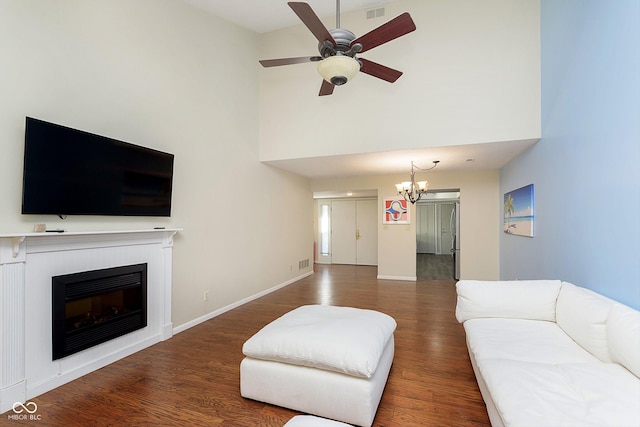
{"x": 28, "y": 261}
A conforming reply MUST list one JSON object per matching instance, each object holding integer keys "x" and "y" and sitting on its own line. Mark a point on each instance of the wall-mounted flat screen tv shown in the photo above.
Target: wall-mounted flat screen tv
{"x": 72, "y": 172}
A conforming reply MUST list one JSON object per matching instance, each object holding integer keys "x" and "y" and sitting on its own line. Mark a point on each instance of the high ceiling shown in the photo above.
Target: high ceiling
{"x": 263, "y": 16}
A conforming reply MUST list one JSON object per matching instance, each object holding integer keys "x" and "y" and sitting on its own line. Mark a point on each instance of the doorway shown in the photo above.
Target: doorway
{"x": 437, "y": 236}
{"x": 348, "y": 232}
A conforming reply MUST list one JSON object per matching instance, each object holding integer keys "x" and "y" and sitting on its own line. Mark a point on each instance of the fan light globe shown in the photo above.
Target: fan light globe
{"x": 338, "y": 69}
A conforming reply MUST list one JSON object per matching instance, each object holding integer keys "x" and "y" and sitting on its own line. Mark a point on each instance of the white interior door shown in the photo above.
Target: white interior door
{"x": 354, "y": 232}
{"x": 426, "y": 228}
{"x": 366, "y": 232}
{"x": 343, "y": 232}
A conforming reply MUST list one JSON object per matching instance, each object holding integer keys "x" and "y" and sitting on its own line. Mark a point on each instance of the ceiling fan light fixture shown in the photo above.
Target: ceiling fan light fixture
{"x": 338, "y": 69}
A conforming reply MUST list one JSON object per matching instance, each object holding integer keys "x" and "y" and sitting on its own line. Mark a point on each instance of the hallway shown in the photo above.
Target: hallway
{"x": 434, "y": 267}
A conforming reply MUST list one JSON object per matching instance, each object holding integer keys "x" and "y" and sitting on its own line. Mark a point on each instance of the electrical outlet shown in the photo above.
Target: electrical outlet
{"x": 205, "y": 296}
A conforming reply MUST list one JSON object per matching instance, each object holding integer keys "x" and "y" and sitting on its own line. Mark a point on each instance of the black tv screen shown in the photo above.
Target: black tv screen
{"x": 72, "y": 172}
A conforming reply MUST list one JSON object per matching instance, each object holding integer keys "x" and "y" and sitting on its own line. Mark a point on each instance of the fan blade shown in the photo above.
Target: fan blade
{"x": 398, "y": 26}
{"x": 311, "y": 20}
{"x": 326, "y": 88}
{"x": 379, "y": 71}
{"x": 289, "y": 61}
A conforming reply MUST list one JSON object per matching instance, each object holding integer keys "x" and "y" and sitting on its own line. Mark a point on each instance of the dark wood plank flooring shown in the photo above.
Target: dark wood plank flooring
{"x": 193, "y": 378}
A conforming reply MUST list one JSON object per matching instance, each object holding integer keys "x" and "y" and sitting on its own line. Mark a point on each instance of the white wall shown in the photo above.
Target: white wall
{"x": 471, "y": 75}
{"x": 480, "y": 215}
{"x": 162, "y": 74}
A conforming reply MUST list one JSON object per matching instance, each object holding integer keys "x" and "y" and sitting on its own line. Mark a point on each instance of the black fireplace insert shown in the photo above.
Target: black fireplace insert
{"x": 93, "y": 307}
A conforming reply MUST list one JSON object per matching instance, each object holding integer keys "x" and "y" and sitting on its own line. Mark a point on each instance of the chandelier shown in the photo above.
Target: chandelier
{"x": 412, "y": 191}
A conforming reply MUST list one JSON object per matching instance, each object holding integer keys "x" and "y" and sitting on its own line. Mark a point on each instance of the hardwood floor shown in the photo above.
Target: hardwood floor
{"x": 193, "y": 378}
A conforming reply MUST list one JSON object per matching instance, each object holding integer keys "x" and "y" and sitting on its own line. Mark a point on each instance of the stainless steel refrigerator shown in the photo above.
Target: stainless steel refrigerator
{"x": 455, "y": 236}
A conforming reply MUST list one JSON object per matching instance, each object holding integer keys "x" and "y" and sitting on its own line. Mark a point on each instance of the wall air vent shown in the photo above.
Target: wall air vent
{"x": 375, "y": 13}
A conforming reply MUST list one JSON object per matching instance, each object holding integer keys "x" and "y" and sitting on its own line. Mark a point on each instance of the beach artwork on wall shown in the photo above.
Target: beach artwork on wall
{"x": 518, "y": 211}
{"x": 396, "y": 211}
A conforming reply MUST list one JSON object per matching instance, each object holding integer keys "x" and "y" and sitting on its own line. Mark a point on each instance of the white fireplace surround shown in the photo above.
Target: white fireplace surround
{"x": 28, "y": 261}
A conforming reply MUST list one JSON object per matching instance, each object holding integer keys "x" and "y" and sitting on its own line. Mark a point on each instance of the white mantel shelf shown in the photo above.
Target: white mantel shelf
{"x": 28, "y": 261}
{"x": 84, "y": 233}
{"x": 18, "y": 238}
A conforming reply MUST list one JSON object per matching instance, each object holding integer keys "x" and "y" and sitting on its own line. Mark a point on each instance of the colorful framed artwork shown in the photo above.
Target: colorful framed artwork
{"x": 396, "y": 211}
{"x": 518, "y": 211}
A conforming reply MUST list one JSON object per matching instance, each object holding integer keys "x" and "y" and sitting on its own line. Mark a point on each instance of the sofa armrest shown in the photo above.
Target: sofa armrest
{"x": 518, "y": 299}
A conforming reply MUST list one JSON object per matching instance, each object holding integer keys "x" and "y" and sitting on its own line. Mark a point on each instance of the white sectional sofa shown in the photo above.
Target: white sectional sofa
{"x": 549, "y": 353}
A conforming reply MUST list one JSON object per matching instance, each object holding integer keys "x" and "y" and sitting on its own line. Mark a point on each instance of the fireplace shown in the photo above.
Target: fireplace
{"x": 93, "y": 307}
{"x": 28, "y": 261}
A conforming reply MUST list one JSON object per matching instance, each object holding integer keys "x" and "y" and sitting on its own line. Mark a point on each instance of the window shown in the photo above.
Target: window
{"x": 324, "y": 229}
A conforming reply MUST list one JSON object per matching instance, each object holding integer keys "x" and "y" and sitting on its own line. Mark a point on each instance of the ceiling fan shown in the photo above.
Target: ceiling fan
{"x": 338, "y": 48}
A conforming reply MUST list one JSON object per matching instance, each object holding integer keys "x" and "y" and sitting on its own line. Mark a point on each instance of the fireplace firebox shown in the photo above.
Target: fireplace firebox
{"x": 93, "y": 307}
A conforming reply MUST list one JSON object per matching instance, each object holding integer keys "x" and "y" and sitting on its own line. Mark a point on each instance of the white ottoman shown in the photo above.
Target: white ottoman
{"x": 323, "y": 360}
{"x": 311, "y": 421}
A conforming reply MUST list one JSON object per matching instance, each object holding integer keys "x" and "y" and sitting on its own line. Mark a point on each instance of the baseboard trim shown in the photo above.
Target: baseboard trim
{"x": 10, "y": 395}
{"x": 209, "y": 316}
{"x": 82, "y": 370}
{"x": 405, "y": 278}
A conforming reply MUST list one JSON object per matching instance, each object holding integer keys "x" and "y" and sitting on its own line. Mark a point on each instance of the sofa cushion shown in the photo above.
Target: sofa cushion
{"x": 579, "y": 394}
{"x": 524, "y": 340}
{"x": 623, "y": 330}
{"x": 583, "y": 314}
{"x": 526, "y": 299}
{"x": 341, "y": 339}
